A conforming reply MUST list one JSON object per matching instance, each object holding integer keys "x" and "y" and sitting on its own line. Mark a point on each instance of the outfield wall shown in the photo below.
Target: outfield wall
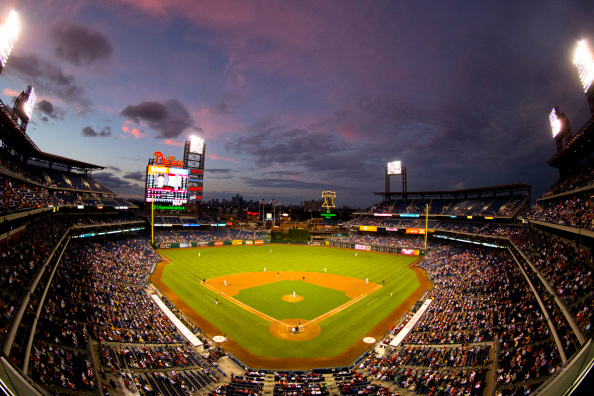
{"x": 178, "y": 245}
{"x": 262, "y": 241}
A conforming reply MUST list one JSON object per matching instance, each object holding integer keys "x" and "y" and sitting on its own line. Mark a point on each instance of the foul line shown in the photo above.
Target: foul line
{"x": 355, "y": 300}
{"x": 244, "y": 306}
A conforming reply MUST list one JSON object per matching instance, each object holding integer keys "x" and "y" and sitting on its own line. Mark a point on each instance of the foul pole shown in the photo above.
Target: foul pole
{"x": 426, "y": 225}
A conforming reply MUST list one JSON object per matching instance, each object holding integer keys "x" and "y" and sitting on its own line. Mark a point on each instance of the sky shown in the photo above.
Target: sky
{"x": 294, "y": 98}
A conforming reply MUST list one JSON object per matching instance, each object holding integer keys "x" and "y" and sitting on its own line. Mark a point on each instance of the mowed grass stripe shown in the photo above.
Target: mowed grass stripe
{"x": 338, "y": 331}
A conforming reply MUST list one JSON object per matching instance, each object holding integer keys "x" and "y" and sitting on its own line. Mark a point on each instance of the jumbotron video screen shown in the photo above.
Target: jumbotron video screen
{"x": 167, "y": 185}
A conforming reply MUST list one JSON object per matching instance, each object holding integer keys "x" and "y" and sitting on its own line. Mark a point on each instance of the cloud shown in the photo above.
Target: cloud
{"x": 50, "y": 79}
{"x": 223, "y": 174}
{"x": 275, "y": 183}
{"x": 136, "y": 176}
{"x": 271, "y": 143}
{"x": 79, "y": 45}
{"x": 172, "y": 143}
{"x": 46, "y": 107}
{"x": 284, "y": 173}
{"x": 214, "y": 156}
{"x": 169, "y": 119}
{"x": 88, "y": 131}
{"x": 227, "y": 107}
{"x": 10, "y": 92}
{"x": 134, "y": 132}
{"x": 110, "y": 181}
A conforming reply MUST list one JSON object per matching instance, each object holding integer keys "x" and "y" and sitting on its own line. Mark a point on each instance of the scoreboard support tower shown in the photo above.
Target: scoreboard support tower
{"x": 194, "y": 150}
{"x": 392, "y": 170}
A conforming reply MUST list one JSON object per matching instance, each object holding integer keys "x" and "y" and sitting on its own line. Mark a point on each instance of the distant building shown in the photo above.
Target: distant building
{"x": 313, "y": 205}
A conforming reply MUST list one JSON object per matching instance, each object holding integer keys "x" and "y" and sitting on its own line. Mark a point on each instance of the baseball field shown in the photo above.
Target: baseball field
{"x": 291, "y": 306}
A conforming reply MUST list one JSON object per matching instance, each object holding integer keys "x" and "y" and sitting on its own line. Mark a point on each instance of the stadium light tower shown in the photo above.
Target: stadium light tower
{"x": 9, "y": 29}
{"x": 585, "y": 65}
{"x": 23, "y": 106}
{"x": 560, "y": 127}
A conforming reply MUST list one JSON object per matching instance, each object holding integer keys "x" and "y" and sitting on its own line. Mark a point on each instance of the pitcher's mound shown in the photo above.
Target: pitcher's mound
{"x": 280, "y": 330}
{"x": 290, "y": 298}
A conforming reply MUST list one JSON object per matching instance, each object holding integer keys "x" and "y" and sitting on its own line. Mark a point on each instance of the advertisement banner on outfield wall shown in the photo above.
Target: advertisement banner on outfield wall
{"x": 185, "y": 245}
{"x": 248, "y": 242}
{"x": 237, "y": 242}
{"x": 410, "y": 251}
{"x": 420, "y": 231}
{"x": 259, "y": 242}
{"x": 219, "y": 243}
{"x": 202, "y": 244}
{"x": 362, "y": 247}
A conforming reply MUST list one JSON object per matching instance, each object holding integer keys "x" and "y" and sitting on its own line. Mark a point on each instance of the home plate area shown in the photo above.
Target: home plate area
{"x": 285, "y": 330}
{"x": 292, "y": 329}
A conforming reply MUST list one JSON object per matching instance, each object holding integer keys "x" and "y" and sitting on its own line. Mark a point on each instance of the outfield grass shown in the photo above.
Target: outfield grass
{"x": 339, "y": 331}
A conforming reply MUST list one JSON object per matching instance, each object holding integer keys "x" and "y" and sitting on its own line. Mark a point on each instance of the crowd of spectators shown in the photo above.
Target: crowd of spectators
{"x": 567, "y": 268}
{"x": 480, "y": 296}
{"x": 425, "y": 369}
{"x": 493, "y": 206}
{"x": 250, "y": 383}
{"x": 137, "y": 254}
{"x": 30, "y": 187}
{"x": 582, "y": 179}
{"x": 98, "y": 291}
{"x": 21, "y": 258}
{"x": 16, "y": 197}
{"x": 351, "y": 382}
{"x": 574, "y": 212}
{"x": 219, "y": 234}
{"x": 403, "y": 241}
{"x": 307, "y": 383}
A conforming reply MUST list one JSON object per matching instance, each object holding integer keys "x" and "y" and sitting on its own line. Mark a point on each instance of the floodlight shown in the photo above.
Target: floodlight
{"x": 196, "y": 144}
{"x": 585, "y": 65}
{"x": 30, "y": 102}
{"x": 8, "y": 35}
{"x": 395, "y": 168}
{"x": 24, "y": 104}
{"x": 555, "y": 122}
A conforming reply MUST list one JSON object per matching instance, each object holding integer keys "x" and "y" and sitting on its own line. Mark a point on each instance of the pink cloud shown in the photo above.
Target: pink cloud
{"x": 172, "y": 143}
{"x": 10, "y": 92}
{"x": 348, "y": 133}
{"x": 134, "y": 132}
{"x": 214, "y": 156}
{"x": 214, "y": 125}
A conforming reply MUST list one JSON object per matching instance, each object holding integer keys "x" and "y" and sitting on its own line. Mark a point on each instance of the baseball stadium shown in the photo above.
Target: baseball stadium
{"x": 475, "y": 291}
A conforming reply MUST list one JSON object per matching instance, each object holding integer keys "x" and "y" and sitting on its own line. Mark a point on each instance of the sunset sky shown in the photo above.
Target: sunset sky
{"x": 297, "y": 97}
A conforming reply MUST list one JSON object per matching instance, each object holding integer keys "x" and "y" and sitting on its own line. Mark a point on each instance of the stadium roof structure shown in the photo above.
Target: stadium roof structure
{"x": 523, "y": 189}
{"x": 581, "y": 146}
{"x": 14, "y": 136}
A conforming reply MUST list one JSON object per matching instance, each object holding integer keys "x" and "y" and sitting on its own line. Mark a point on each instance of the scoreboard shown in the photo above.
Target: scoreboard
{"x": 166, "y": 184}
